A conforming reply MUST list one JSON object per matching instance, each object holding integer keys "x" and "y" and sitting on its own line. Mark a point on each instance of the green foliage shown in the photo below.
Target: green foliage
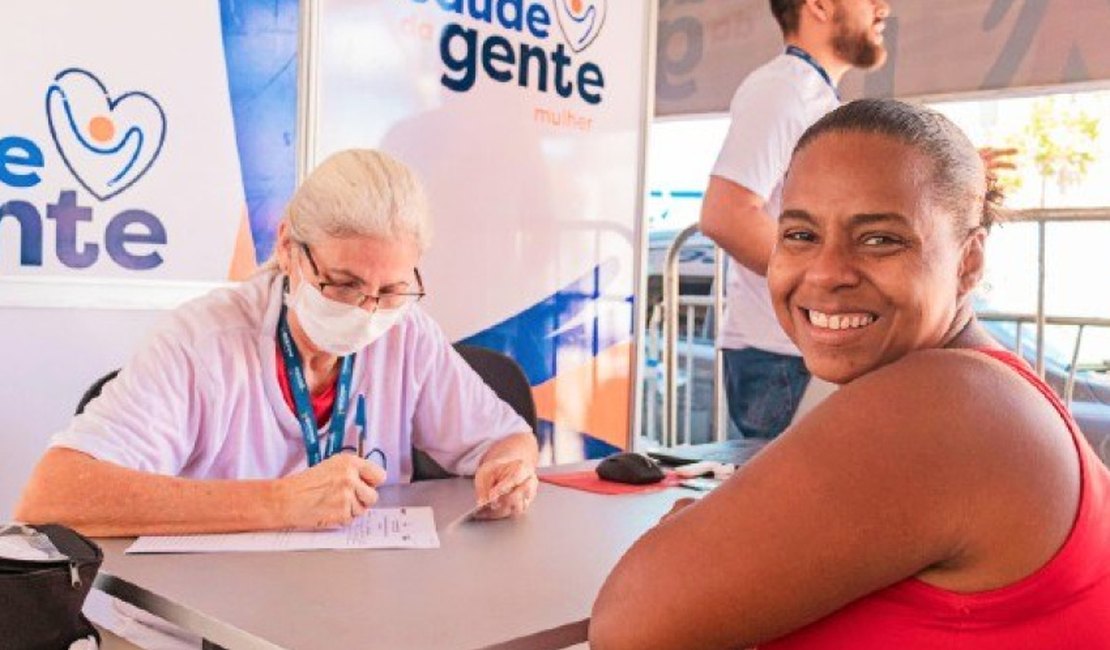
{"x": 1059, "y": 143}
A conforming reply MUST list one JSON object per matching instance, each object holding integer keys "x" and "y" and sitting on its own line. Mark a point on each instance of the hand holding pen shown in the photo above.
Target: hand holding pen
{"x": 333, "y": 493}
{"x": 505, "y": 487}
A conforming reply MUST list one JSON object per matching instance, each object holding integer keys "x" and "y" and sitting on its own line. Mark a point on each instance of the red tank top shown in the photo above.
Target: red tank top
{"x": 1063, "y": 605}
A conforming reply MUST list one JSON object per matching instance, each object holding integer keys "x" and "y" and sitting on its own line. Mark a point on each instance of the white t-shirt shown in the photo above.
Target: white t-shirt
{"x": 201, "y": 399}
{"x": 771, "y": 109}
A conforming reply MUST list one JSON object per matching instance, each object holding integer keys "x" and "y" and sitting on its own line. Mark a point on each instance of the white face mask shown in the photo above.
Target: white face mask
{"x": 337, "y": 328}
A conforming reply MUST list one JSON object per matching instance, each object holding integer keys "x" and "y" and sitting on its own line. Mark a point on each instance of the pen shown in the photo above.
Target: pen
{"x": 482, "y": 505}
{"x": 360, "y": 422}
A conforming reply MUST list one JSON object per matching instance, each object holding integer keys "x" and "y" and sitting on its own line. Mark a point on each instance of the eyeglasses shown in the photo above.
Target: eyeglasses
{"x": 349, "y": 294}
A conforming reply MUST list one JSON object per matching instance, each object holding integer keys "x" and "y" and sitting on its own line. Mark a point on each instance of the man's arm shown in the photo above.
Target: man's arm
{"x": 769, "y": 115}
{"x": 734, "y": 218}
{"x": 102, "y": 499}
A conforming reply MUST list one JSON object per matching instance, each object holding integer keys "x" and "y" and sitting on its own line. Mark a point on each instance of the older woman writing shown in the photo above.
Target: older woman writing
{"x": 233, "y": 415}
{"x": 943, "y": 497}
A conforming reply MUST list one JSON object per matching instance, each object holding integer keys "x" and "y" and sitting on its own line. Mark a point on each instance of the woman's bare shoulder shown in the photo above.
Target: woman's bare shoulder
{"x": 959, "y": 377}
{"x": 912, "y": 406}
{"x": 936, "y": 406}
{"x": 959, "y": 364}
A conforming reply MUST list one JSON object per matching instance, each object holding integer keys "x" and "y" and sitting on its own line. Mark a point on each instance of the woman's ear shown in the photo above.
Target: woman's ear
{"x": 284, "y": 246}
{"x": 972, "y": 260}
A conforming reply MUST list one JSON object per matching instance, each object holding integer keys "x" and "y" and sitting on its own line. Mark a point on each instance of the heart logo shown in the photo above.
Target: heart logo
{"x": 580, "y": 20}
{"x": 107, "y": 143}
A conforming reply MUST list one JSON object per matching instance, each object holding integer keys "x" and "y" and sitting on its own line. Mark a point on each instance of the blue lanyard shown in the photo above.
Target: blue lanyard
{"x": 794, "y": 50}
{"x": 294, "y": 372}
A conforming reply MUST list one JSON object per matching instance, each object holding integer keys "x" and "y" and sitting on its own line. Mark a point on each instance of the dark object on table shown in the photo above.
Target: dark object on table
{"x": 629, "y": 467}
{"x": 45, "y": 573}
{"x": 734, "y": 452}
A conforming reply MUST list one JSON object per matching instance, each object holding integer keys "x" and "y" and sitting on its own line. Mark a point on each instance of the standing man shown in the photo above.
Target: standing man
{"x": 765, "y": 376}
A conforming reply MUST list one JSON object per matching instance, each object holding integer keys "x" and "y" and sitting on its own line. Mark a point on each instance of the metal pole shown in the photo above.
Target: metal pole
{"x": 689, "y": 410}
{"x": 670, "y": 338}
{"x": 720, "y": 422}
{"x": 652, "y": 346}
{"x": 639, "y": 238}
{"x": 307, "y": 91}
{"x": 1069, "y": 386}
{"x": 1040, "y": 296}
{"x": 1066, "y": 321}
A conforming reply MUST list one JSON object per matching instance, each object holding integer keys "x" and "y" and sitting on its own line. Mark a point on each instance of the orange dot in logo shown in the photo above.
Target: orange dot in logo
{"x": 101, "y": 128}
{"x": 576, "y": 6}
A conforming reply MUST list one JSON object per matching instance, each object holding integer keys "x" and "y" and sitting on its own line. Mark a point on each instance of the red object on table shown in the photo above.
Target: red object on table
{"x": 589, "y": 481}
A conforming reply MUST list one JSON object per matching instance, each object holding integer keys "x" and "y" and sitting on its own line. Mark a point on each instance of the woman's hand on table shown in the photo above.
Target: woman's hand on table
{"x": 507, "y": 485}
{"x": 333, "y": 493}
{"x": 678, "y": 507}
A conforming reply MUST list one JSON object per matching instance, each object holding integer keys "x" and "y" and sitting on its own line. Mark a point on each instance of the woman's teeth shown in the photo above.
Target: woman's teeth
{"x": 839, "y": 321}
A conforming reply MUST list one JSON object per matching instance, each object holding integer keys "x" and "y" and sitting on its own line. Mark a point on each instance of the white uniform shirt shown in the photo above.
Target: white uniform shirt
{"x": 771, "y": 109}
{"x": 201, "y": 399}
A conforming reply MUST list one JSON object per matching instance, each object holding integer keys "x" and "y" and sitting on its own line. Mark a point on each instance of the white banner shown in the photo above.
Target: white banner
{"x": 118, "y": 166}
{"x": 524, "y": 119}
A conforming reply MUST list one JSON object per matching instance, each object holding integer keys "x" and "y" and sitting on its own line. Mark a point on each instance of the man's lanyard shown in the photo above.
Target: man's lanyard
{"x": 794, "y": 50}
{"x": 294, "y": 372}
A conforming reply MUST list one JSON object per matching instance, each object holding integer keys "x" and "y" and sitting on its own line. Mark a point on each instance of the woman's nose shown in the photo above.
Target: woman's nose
{"x": 834, "y": 266}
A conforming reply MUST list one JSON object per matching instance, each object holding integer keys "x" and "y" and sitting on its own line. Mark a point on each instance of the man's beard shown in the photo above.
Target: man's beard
{"x": 857, "y": 48}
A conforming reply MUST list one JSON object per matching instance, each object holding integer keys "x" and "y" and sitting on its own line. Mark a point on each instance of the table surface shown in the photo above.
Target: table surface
{"x": 527, "y": 582}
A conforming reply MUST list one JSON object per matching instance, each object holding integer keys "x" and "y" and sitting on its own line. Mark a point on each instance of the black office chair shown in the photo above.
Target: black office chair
{"x": 508, "y": 381}
{"x": 504, "y": 376}
{"x": 94, "y": 390}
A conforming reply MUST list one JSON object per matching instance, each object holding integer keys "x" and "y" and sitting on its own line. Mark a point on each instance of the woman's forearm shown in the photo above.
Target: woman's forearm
{"x": 102, "y": 499}
{"x": 513, "y": 446}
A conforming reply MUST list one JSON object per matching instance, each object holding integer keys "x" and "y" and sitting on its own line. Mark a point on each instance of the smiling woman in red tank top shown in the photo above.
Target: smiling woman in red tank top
{"x": 943, "y": 498}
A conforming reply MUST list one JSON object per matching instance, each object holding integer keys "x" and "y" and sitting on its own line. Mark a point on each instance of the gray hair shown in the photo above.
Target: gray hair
{"x": 359, "y": 192}
{"x": 960, "y": 181}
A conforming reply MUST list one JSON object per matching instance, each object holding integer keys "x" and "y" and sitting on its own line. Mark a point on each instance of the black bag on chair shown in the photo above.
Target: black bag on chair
{"x": 45, "y": 573}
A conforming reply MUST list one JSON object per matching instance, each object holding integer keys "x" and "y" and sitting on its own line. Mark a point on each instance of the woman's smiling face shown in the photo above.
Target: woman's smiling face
{"x": 868, "y": 266}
